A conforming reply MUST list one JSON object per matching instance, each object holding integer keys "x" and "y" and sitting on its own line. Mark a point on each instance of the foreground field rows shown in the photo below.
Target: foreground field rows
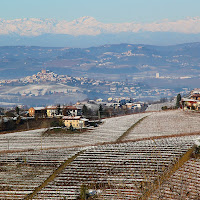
{"x": 183, "y": 184}
{"x": 119, "y": 171}
{"x": 123, "y": 170}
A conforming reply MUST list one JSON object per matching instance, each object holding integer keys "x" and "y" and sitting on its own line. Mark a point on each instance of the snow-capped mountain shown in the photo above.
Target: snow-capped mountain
{"x": 87, "y": 31}
{"x": 90, "y": 26}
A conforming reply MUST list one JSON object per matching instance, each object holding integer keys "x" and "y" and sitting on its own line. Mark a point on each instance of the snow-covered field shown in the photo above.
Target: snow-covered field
{"x": 158, "y": 106}
{"x": 166, "y": 123}
{"x": 122, "y": 165}
{"x": 22, "y": 172}
{"x": 37, "y": 89}
{"x": 109, "y": 131}
{"x": 183, "y": 184}
{"x": 117, "y": 169}
{"x": 156, "y": 124}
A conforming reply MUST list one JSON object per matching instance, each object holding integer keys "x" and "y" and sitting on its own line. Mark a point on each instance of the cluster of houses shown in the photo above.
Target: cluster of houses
{"x": 123, "y": 103}
{"x": 71, "y": 115}
{"x": 192, "y": 102}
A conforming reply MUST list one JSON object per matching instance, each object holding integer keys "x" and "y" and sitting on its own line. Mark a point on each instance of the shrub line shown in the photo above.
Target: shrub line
{"x": 129, "y": 130}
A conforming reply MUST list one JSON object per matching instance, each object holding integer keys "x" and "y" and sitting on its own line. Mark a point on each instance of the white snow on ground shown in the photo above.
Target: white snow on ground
{"x": 7, "y": 104}
{"x": 156, "y": 124}
{"x": 38, "y": 89}
{"x": 158, "y": 106}
{"x": 109, "y": 131}
{"x": 197, "y": 142}
{"x": 166, "y": 123}
{"x": 124, "y": 166}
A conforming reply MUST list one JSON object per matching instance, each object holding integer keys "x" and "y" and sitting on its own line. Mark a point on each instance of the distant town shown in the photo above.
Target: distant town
{"x": 47, "y": 84}
{"x": 87, "y": 113}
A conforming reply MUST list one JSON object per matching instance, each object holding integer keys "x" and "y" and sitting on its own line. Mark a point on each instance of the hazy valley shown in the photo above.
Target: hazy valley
{"x": 97, "y": 72}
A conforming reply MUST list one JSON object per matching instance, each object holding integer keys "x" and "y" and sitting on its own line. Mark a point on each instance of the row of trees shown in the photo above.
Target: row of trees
{"x": 104, "y": 111}
{"x": 10, "y": 113}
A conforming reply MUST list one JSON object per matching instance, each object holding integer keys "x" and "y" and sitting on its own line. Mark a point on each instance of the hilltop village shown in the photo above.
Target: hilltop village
{"x": 47, "y": 84}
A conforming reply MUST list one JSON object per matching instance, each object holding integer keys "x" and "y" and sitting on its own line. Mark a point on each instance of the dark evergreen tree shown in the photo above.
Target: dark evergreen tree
{"x": 2, "y": 124}
{"x": 100, "y": 108}
{"x": 58, "y": 109}
{"x": 1, "y": 111}
{"x": 17, "y": 110}
{"x": 178, "y": 99}
{"x": 85, "y": 110}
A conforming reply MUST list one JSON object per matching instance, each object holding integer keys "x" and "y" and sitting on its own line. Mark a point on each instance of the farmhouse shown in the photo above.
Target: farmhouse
{"x": 72, "y": 111}
{"x": 53, "y": 111}
{"x": 190, "y": 104}
{"x": 37, "y": 112}
{"x": 76, "y": 122}
{"x": 195, "y": 96}
{"x": 193, "y": 102}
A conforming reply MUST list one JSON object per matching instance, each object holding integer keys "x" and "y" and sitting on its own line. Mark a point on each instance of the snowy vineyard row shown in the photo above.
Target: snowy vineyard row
{"x": 115, "y": 167}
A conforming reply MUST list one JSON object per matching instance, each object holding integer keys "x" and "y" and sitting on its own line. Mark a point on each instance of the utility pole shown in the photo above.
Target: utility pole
{"x": 27, "y": 125}
{"x": 8, "y": 144}
{"x": 99, "y": 115}
{"x": 41, "y": 142}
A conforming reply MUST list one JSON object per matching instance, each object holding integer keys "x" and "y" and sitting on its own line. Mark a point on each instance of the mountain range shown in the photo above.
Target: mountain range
{"x": 131, "y": 70}
{"x": 87, "y": 31}
{"x": 114, "y": 61}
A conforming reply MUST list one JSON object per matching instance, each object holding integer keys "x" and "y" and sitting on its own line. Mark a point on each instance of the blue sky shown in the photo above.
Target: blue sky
{"x": 107, "y": 11}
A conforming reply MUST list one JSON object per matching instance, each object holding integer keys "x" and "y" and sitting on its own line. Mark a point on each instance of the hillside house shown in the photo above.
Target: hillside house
{"x": 137, "y": 105}
{"x": 99, "y": 100}
{"x": 76, "y": 122}
{"x": 193, "y": 102}
{"x": 37, "y": 112}
{"x": 129, "y": 106}
{"x": 54, "y": 111}
{"x": 51, "y": 111}
{"x": 195, "y": 96}
{"x": 116, "y": 106}
{"x": 190, "y": 104}
{"x": 72, "y": 111}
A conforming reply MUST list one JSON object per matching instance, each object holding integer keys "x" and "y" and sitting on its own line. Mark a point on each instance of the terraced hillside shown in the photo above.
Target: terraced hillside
{"x": 104, "y": 159}
{"x": 165, "y": 123}
{"x": 120, "y": 171}
{"x": 183, "y": 184}
{"x": 22, "y": 172}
